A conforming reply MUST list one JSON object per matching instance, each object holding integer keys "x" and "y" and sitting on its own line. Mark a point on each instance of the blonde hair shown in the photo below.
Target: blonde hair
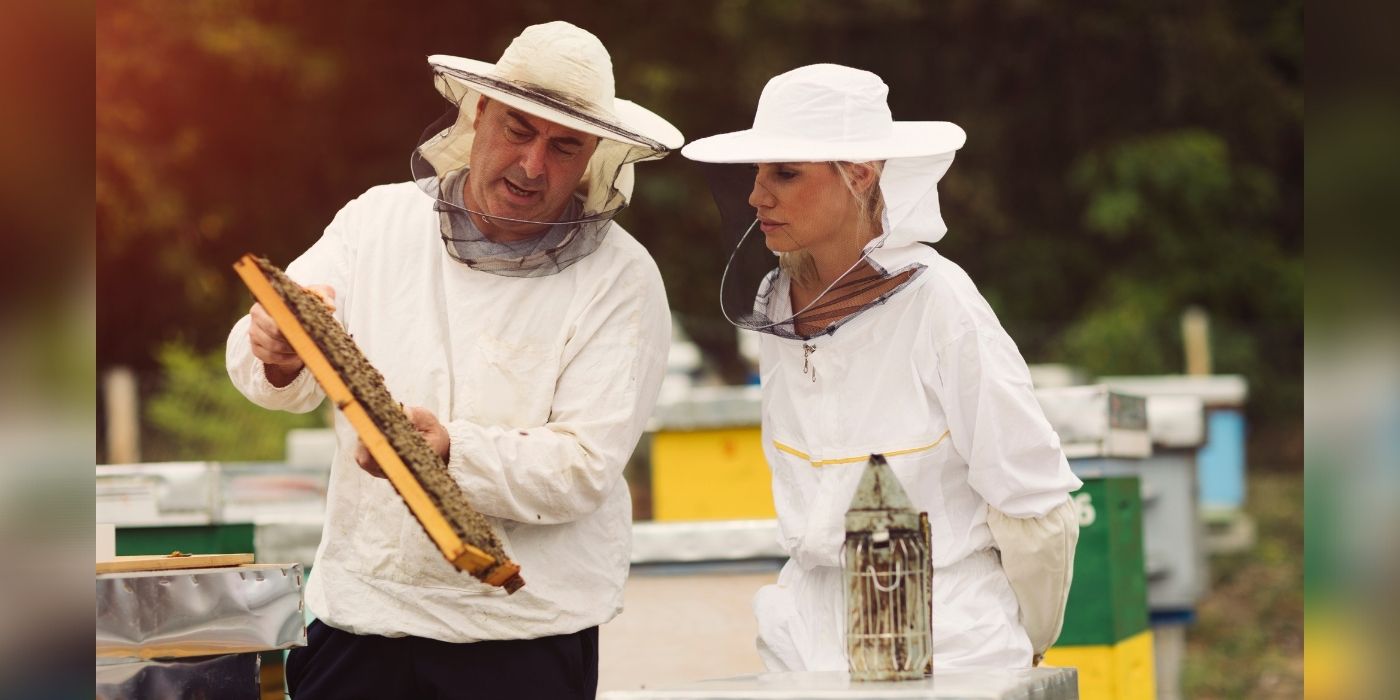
{"x": 798, "y": 264}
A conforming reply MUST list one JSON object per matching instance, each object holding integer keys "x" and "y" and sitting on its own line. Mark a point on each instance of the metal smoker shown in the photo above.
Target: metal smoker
{"x": 887, "y": 581}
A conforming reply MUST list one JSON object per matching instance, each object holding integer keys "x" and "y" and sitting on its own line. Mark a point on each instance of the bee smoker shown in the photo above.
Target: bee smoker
{"x": 886, "y": 581}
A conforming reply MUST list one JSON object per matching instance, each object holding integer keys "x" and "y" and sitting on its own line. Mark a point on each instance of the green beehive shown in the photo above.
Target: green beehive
{"x": 228, "y": 538}
{"x": 1108, "y": 599}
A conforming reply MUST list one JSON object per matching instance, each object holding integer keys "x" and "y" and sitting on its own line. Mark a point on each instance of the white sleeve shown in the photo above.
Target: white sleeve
{"x": 1013, "y": 455}
{"x": 565, "y": 469}
{"x": 327, "y": 262}
{"x": 1038, "y": 556}
{"x": 249, "y": 374}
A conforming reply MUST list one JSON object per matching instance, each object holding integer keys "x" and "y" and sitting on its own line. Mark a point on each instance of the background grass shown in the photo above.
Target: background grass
{"x": 1248, "y": 639}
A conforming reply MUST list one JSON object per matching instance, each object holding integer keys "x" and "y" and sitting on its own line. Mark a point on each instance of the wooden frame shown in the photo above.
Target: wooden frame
{"x": 464, "y": 556}
{"x": 170, "y": 562}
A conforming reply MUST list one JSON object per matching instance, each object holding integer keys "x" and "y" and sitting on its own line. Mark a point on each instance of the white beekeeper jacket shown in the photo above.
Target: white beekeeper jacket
{"x": 930, "y": 380}
{"x": 544, "y": 385}
{"x": 925, "y": 376}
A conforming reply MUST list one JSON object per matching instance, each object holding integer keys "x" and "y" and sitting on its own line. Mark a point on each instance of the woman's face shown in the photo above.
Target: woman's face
{"x": 801, "y": 205}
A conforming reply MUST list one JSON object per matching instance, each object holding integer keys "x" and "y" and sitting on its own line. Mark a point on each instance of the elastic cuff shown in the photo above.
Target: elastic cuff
{"x": 260, "y": 371}
{"x": 459, "y": 445}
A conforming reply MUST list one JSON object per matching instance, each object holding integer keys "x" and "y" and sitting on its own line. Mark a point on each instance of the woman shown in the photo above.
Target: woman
{"x": 872, "y": 342}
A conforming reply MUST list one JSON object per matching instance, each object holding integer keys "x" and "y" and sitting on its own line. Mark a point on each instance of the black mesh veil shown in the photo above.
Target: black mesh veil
{"x": 440, "y": 167}
{"x": 755, "y": 291}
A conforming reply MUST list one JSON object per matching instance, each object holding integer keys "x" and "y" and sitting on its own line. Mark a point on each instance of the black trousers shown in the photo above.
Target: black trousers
{"x": 340, "y": 665}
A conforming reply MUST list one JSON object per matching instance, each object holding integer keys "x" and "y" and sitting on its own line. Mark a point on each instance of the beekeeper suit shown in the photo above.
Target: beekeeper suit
{"x": 925, "y": 375}
{"x": 539, "y": 356}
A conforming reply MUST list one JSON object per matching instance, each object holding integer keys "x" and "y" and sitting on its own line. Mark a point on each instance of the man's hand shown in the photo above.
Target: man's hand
{"x": 280, "y": 361}
{"x": 426, "y": 424}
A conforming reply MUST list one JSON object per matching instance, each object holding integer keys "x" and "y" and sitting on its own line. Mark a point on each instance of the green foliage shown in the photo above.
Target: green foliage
{"x": 1183, "y": 223}
{"x": 197, "y": 414}
{"x": 1132, "y": 332}
{"x": 1115, "y": 153}
{"x": 194, "y": 100}
{"x": 1157, "y": 184}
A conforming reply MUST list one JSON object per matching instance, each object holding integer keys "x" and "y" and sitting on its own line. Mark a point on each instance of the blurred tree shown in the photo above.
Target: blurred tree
{"x": 192, "y": 162}
{"x": 1123, "y": 159}
{"x": 196, "y": 413}
{"x": 1184, "y": 224}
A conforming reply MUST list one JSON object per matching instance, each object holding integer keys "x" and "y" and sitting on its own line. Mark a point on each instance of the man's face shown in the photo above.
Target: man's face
{"x": 522, "y": 167}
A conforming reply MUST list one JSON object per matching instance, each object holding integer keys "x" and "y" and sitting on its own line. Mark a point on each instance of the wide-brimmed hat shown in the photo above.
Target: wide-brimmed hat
{"x": 562, "y": 74}
{"x": 815, "y": 114}
{"x": 559, "y": 72}
{"x": 826, "y": 112}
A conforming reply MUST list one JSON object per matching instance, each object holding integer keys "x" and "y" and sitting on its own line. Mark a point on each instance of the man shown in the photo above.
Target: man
{"x": 528, "y": 335}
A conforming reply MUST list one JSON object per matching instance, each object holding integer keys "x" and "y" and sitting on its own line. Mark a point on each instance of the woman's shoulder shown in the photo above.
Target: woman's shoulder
{"x": 951, "y": 303}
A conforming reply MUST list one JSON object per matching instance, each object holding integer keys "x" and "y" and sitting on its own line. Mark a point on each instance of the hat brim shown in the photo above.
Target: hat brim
{"x": 907, "y": 140}
{"x": 630, "y": 122}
